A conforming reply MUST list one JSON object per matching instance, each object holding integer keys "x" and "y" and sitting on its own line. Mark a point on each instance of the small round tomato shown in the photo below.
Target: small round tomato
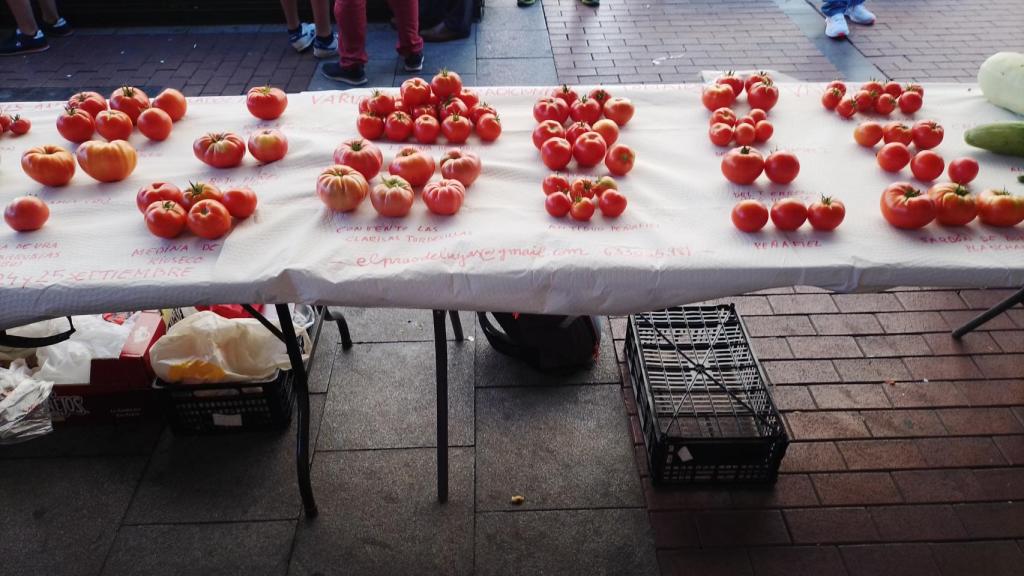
{"x": 927, "y": 134}
{"x": 158, "y": 192}
{"x": 582, "y": 188}
{"x": 268, "y": 145}
{"x": 556, "y": 153}
{"x": 868, "y": 134}
{"x": 463, "y": 166}
{"x": 91, "y": 102}
{"x": 831, "y": 98}
{"x": 165, "y": 218}
{"x": 197, "y": 191}
{"x": 781, "y": 167}
{"x": 914, "y": 87}
{"x": 415, "y": 166}
{"x": 26, "y": 214}
{"x": 469, "y": 97}
{"x": 838, "y": 85}
{"x": 209, "y": 219}
{"x": 479, "y": 110}
{"x": 749, "y": 215}
{"x": 172, "y": 102}
{"x": 954, "y": 204}
{"x": 423, "y": 110}
{"x": 5, "y": 122}
{"x": 415, "y": 91}
{"x": 885, "y": 104}
{"x": 717, "y": 96}
{"x": 266, "y": 102}
{"x": 426, "y": 129}
{"x": 558, "y": 204}
{"x": 910, "y": 102}
{"x": 612, "y": 204}
{"x": 577, "y": 129}
{"x": 723, "y": 116}
{"x": 547, "y": 130}
{"x": 446, "y": 83}
{"x": 763, "y": 131}
{"x": 603, "y": 184}
{"x": 600, "y": 94}
{"x": 742, "y": 165}
{"x": 566, "y": 94}
{"x": 748, "y": 119}
{"x": 240, "y": 201}
{"x": 826, "y": 214}
{"x": 551, "y": 109}
{"x": 362, "y": 155}
{"x": 393, "y": 197}
{"x": 370, "y": 126}
{"x": 107, "y": 161}
{"x": 114, "y": 125}
{"x": 864, "y": 101}
{"x": 721, "y": 134}
{"x": 620, "y": 159}
{"x": 452, "y": 106}
{"x": 892, "y": 88}
{"x": 607, "y": 129}
{"x": 554, "y": 183}
{"x": 788, "y": 214}
{"x": 745, "y": 134}
{"x": 963, "y": 170}
{"x": 585, "y": 110}
{"x": 456, "y": 128}
{"x": 155, "y": 124}
{"x": 846, "y": 107}
{"x": 20, "y": 125}
{"x": 732, "y": 80}
{"x": 619, "y": 110}
{"x": 904, "y": 206}
{"x": 380, "y": 103}
{"x": 589, "y": 149}
{"x": 75, "y": 125}
{"x": 444, "y": 197}
{"x": 764, "y": 95}
{"x": 757, "y": 115}
{"x": 129, "y": 100}
{"x": 1000, "y": 208}
{"x": 582, "y": 209}
{"x": 219, "y": 149}
{"x": 927, "y": 165}
{"x": 897, "y": 132}
{"x": 398, "y": 127}
{"x": 893, "y": 157}
{"x": 49, "y": 165}
{"x": 488, "y": 127}
{"x": 755, "y": 78}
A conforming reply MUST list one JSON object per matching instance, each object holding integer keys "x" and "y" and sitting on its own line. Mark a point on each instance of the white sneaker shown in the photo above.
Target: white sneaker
{"x": 303, "y": 39}
{"x": 835, "y": 26}
{"x": 326, "y": 50}
{"x": 860, "y": 15}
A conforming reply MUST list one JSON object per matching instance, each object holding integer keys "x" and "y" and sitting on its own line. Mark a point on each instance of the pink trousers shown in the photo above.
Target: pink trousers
{"x": 351, "y": 17}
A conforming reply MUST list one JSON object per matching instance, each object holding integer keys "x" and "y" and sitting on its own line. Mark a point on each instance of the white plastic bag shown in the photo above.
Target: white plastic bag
{"x": 207, "y": 348}
{"x": 70, "y": 362}
{"x": 24, "y": 411}
{"x": 34, "y": 330}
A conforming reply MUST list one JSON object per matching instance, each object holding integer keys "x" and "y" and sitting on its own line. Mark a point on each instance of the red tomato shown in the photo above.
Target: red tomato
{"x": 904, "y": 206}
{"x": 165, "y": 218}
{"x": 364, "y": 105}
{"x": 129, "y": 100}
{"x": 577, "y": 129}
{"x": 380, "y": 103}
{"x": 444, "y": 197}
{"x": 600, "y": 94}
{"x": 612, "y": 204}
{"x": 426, "y": 129}
{"x": 158, "y": 192}
{"x": 731, "y": 80}
{"x": 589, "y": 149}
{"x": 460, "y": 165}
{"x": 608, "y": 130}
{"x": 266, "y": 102}
{"x": 846, "y": 107}
{"x": 872, "y": 87}
{"x": 745, "y": 134}
{"x": 585, "y": 110}
{"x": 479, "y": 110}
{"x": 456, "y": 128}
{"x": 723, "y": 116}
{"x": 453, "y": 106}
{"x": 764, "y": 95}
{"x": 963, "y": 170}
{"x": 545, "y": 131}
{"x": 746, "y": 120}
{"x": 446, "y": 83}
{"x": 75, "y": 125}
{"x": 415, "y": 91}
{"x": 717, "y": 96}
{"x": 788, "y": 214}
{"x": 341, "y": 188}
{"x": 897, "y": 132}
{"x": 885, "y": 104}
{"x": 582, "y": 188}
{"x": 910, "y": 102}
{"x": 927, "y": 134}
{"x": 550, "y": 109}
{"x": 742, "y": 165}
{"x": 415, "y": 166}
{"x": 5, "y": 122}
{"x": 837, "y": 85}
{"x": 240, "y": 202}
{"x": 488, "y": 127}
{"x": 114, "y": 125}
{"x": 749, "y": 215}
{"x": 566, "y": 94}
{"x": 219, "y": 149}
{"x": 268, "y": 145}
{"x": 172, "y": 102}
{"x": 558, "y": 204}
{"x": 423, "y": 110}
{"x": 209, "y": 219}
{"x": 781, "y": 167}
{"x": 155, "y": 124}
{"x": 20, "y": 125}
{"x": 864, "y": 101}
{"x": 554, "y": 183}
{"x": 927, "y": 165}
{"x": 26, "y": 214}
{"x": 197, "y": 191}
{"x": 1000, "y": 208}
{"x": 893, "y": 157}
{"x": 757, "y": 115}
{"x": 763, "y": 131}
{"x": 893, "y": 89}
{"x": 620, "y": 159}
{"x": 556, "y": 153}
{"x": 582, "y": 209}
{"x": 917, "y": 88}
{"x": 603, "y": 184}
{"x": 826, "y": 214}
{"x": 954, "y": 204}
{"x": 91, "y": 102}
{"x": 362, "y": 155}
{"x": 868, "y": 134}
{"x": 398, "y": 127}
{"x": 619, "y": 110}
{"x": 107, "y": 161}
{"x": 721, "y": 134}
{"x": 469, "y": 97}
{"x": 393, "y": 197}
{"x": 831, "y": 98}
{"x": 761, "y": 76}
{"x": 370, "y": 126}
{"x": 49, "y": 165}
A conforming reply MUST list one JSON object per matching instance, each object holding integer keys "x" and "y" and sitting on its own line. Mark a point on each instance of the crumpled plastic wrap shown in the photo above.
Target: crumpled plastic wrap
{"x": 70, "y": 362}
{"x": 24, "y": 408}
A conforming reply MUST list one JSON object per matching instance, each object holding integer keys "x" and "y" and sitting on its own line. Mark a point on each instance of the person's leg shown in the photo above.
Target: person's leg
{"x": 322, "y": 18}
{"x": 858, "y": 14}
{"x": 291, "y": 14}
{"x": 48, "y": 8}
{"x": 407, "y": 17}
{"x": 28, "y": 38}
{"x": 833, "y": 7}
{"x": 456, "y": 23}
{"x": 23, "y": 16}
{"x": 299, "y": 35}
{"x": 351, "y": 18}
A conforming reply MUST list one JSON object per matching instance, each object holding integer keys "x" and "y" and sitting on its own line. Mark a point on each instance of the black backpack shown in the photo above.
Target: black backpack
{"x": 550, "y": 344}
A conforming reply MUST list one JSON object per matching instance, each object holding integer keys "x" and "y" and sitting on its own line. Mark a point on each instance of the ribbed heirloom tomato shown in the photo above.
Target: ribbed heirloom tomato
{"x": 166, "y": 219}
{"x": 49, "y": 165}
{"x": 240, "y": 201}
{"x": 360, "y": 154}
{"x": 107, "y": 161}
{"x": 172, "y": 102}
{"x": 393, "y": 197}
{"x": 208, "y": 219}
{"x": 129, "y": 100}
{"x": 197, "y": 191}
{"x": 413, "y": 165}
{"x": 266, "y": 102}
{"x": 1000, "y": 208}
{"x": 155, "y": 124}
{"x": 954, "y": 204}
{"x": 114, "y": 125}
{"x": 26, "y": 214}
{"x": 158, "y": 192}
{"x": 268, "y": 145}
{"x": 444, "y": 197}
{"x": 341, "y": 188}
{"x": 906, "y": 207}
{"x": 742, "y": 165}
{"x": 460, "y": 165}
{"x": 219, "y": 149}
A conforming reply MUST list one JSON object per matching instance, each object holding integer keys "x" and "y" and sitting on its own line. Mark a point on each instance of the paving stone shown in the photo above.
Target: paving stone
{"x": 856, "y": 488}
{"x": 674, "y": 529}
{"x": 942, "y": 367}
{"x": 989, "y": 558}
{"x": 928, "y": 523}
{"x": 771, "y": 348}
{"x": 957, "y": 318}
{"x": 792, "y": 398}
{"x": 925, "y": 394}
{"x": 60, "y": 515}
{"x": 1012, "y": 448}
{"x": 673, "y": 498}
{"x": 565, "y": 542}
{"x": 228, "y": 477}
{"x": 787, "y": 491}
{"x": 882, "y": 302}
{"x": 385, "y": 396}
{"x": 894, "y": 345}
{"x": 881, "y": 454}
{"x": 903, "y": 559}
{"x": 397, "y": 325}
{"x": 705, "y": 561}
{"x": 1001, "y": 366}
{"x": 992, "y": 392}
{"x": 903, "y": 423}
{"x": 826, "y": 347}
{"x": 960, "y": 452}
{"x": 797, "y": 561}
{"x": 812, "y": 457}
{"x": 951, "y": 485}
{"x": 498, "y": 43}
{"x": 128, "y": 439}
{"x": 826, "y": 425}
{"x": 912, "y": 322}
{"x": 779, "y": 326}
{"x": 803, "y": 304}
{"x": 245, "y": 549}
{"x": 993, "y": 520}
{"x": 974, "y": 421}
{"x": 800, "y": 371}
{"x": 379, "y": 514}
{"x": 494, "y": 369}
{"x": 932, "y": 300}
{"x": 839, "y": 324}
{"x": 942, "y": 343}
{"x": 741, "y": 528}
{"x": 830, "y": 525}
{"x": 849, "y": 396}
{"x": 516, "y": 71}
{"x": 564, "y": 447}
{"x": 511, "y": 17}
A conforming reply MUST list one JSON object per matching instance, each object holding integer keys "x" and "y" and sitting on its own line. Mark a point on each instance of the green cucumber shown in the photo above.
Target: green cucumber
{"x": 1002, "y": 138}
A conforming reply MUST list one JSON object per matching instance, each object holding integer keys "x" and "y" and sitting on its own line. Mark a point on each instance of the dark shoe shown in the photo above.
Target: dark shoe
{"x": 59, "y": 29}
{"x": 591, "y": 3}
{"x": 353, "y": 75}
{"x": 19, "y": 43}
{"x": 525, "y": 3}
{"x": 414, "y": 62}
{"x": 441, "y": 33}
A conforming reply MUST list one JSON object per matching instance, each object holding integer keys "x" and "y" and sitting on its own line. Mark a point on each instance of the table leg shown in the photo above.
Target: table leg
{"x": 989, "y": 314}
{"x": 301, "y": 384}
{"x": 441, "y": 359}
{"x": 346, "y": 337}
{"x": 456, "y": 324}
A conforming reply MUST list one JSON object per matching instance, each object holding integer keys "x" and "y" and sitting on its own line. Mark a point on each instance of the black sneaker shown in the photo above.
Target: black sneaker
{"x": 353, "y": 75}
{"x": 19, "y": 43}
{"x": 414, "y": 62}
{"x": 59, "y": 29}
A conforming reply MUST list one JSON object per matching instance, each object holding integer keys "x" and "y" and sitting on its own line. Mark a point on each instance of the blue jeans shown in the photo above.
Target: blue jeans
{"x": 832, "y": 7}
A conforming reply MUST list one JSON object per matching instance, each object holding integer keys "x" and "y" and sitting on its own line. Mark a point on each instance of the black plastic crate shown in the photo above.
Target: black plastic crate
{"x": 702, "y": 398}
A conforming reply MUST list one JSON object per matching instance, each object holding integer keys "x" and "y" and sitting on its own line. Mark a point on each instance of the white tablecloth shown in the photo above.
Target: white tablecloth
{"x": 675, "y": 243}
